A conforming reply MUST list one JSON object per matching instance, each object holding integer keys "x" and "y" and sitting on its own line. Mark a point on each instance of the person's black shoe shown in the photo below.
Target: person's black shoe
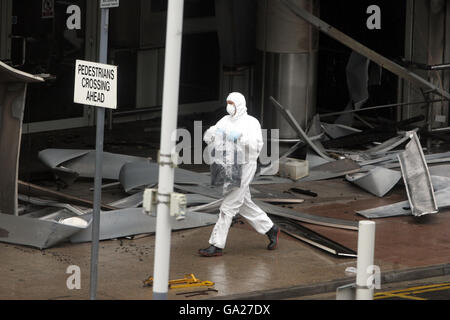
{"x": 212, "y": 251}
{"x": 273, "y": 237}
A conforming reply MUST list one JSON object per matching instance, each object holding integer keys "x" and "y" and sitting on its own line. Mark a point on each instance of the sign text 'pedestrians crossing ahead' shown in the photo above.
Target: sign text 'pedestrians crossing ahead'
{"x": 106, "y": 4}
{"x": 95, "y": 84}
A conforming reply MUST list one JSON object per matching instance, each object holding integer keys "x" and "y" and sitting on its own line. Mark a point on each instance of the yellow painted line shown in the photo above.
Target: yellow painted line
{"x": 408, "y": 293}
{"x": 393, "y": 295}
{"x": 431, "y": 290}
{"x": 414, "y": 289}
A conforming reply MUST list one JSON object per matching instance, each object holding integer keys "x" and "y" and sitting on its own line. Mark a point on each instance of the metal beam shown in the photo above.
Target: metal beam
{"x": 307, "y": 218}
{"x": 29, "y": 189}
{"x": 290, "y": 118}
{"x": 417, "y": 178}
{"x": 363, "y": 50}
{"x": 378, "y": 107}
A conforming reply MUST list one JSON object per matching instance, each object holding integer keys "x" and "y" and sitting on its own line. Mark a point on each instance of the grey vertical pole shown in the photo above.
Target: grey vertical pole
{"x": 103, "y": 57}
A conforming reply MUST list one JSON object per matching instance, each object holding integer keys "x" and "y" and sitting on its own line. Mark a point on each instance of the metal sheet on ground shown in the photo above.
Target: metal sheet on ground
{"x": 55, "y": 157}
{"x": 140, "y": 174}
{"x": 133, "y": 201}
{"x": 313, "y": 238}
{"x": 205, "y": 190}
{"x": 307, "y": 218}
{"x": 192, "y": 199}
{"x": 314, "y": 160}
{"x": 281, "y": 200}
{"x": 377, "y": 181}
{"x": 112, "y": 164}
{"x": 417, "y": 179}
{"x": 129, "y": 222}
{"x": 403, "y": 208}
{"x": 82, "y": 162}
{"x": 209, "y": 207}
{"x": 49, "y": 203}
{"x": 30, "y": 189}
{"x": 332, "y": 170}
{"x": 270, "y": 180}
{"x": 391, "y": 210}
{"x": 286, "y": 213}
{"x": 36, "y": 233}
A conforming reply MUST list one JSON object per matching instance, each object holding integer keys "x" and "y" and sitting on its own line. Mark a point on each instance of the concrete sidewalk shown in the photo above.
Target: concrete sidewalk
{"x": 406, "y": 248}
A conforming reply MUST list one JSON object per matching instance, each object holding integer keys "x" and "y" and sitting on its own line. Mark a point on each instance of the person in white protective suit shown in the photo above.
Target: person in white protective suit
{"x": 245, "y": 130}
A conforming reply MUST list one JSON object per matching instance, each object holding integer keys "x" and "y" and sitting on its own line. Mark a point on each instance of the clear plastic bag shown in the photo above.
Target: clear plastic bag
{"x": 226, "y": 169}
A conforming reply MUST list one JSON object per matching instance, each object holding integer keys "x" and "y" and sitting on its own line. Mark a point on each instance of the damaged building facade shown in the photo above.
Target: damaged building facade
{"x": 260, "y": 48}
{"x": 304, "y": 69}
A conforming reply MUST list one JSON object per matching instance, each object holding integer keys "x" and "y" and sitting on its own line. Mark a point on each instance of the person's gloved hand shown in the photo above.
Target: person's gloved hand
{"x": 220, "y": 131}
{"x": 234, "y": 136}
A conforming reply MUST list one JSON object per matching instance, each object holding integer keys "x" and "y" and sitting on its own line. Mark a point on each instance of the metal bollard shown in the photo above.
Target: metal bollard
{"x": 366, "y": 248}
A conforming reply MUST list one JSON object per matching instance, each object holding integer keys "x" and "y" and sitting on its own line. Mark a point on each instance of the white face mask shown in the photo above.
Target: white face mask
{"x": 231, "y": 109}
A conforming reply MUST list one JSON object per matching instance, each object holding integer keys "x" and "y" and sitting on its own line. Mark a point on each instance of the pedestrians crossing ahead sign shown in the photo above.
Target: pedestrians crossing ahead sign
{"x": 106, "y": 4}
{"x": 95, "y": 84}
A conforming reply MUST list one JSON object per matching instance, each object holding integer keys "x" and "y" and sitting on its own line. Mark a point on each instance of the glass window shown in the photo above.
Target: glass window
{"x": 200, "y": 67}
{"x": 50, "y": 48}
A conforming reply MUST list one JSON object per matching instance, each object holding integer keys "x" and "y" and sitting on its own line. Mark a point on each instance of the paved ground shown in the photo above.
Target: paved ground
{"x": 437, "y": 288}
{"x": 406, "y": 248}
{"x": 247, "y": 269}
{"x": 438, "y": 291}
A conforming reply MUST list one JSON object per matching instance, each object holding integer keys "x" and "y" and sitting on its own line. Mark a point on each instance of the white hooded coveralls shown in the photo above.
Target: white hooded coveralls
{"x": 239, "y": 200}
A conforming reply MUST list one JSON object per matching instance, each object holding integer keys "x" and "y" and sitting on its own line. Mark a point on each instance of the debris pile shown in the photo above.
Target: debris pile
{"x": 47, "y": 217}
{"x": 375, "y": 159}
{"x": 378, "y": 168}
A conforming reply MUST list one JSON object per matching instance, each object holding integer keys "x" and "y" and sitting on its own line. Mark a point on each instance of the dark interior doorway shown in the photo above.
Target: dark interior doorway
{"x": 350, "y": 17}
{"x": 42, "y": 44}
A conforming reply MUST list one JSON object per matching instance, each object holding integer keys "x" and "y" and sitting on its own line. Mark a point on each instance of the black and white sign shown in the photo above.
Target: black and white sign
{"x": 48, "y": 9}
{"x": 106, "y": 4}
{"x": 95, "y": 84}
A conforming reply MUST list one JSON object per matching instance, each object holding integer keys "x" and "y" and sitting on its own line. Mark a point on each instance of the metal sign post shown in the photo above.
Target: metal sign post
{"x": 103, "y": 57}
{"x": 96, "y": 85}
{"x": 106, "y": 4}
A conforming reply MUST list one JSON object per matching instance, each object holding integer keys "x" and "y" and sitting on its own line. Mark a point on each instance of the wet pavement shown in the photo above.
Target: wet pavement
{"x": 406, "y": 248}
{"x": 437, "y": 288}
{"x": 247, "y": 269}
{"x": 439, "y": 291}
